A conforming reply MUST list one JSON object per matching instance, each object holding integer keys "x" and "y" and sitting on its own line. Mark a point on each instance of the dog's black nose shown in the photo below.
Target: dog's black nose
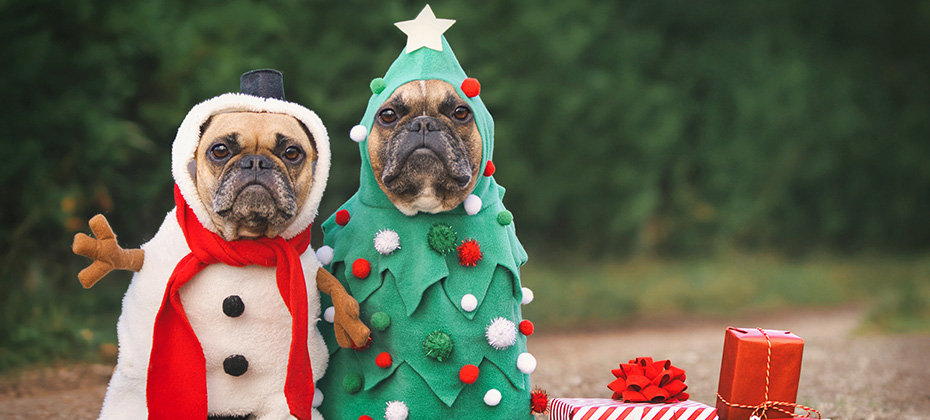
{"x": 424, "y": 123}
{"x": 255, "y": 162}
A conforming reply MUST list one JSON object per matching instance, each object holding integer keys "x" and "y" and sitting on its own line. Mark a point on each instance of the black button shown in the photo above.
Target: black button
{"x": 233, "y": 306}
{"x": 235, "y": 365}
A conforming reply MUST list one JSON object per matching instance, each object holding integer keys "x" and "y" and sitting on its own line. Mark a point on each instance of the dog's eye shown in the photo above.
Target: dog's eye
{"x": 461, "y": 113}
{"x": 292, "y": 153}
{"x": 220, "y": 151}
{"x": 388, "y": 116}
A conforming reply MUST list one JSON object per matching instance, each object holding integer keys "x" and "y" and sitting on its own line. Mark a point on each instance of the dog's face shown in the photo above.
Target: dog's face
{"x": 253, "y": 172}
{"x": 425, "y": 148}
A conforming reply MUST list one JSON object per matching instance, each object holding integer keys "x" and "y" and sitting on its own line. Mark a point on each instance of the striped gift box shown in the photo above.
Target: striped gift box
{"x": 608, "y": 409}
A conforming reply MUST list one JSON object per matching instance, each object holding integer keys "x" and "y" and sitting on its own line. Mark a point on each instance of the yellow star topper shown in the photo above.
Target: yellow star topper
{"x": 424, "y": 31}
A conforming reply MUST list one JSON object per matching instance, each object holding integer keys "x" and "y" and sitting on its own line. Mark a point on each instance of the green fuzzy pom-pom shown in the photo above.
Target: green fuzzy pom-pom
{"x": 438, "y": 345}
{"x": 380, "y": 321}
{"x": 352, "y": 383}
{"x": 442, "y": 238}
{"x": 505, "y": 217}
{"x": 377, "y": 85}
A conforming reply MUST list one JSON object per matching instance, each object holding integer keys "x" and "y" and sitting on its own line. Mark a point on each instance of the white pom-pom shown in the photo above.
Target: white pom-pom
{"x": 469, "y": 302}
{"x": 358, "y": 133}
{"x": 387, "y": 241}
{"x": 527, "y": 296}
{"x": 329, "y": 314}
{"x": 396, "y": 410}
{"x": 472, "y": 204}
{"x": 526, "y": 363}
{"x": 325, "y": 254}
{"x": 317, "y": 397}
{"x": 492, "y": 397}
{"x": 502, "y": 333}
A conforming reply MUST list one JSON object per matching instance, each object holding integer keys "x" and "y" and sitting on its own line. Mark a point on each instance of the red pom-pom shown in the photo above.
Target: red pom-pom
{"x": 471, "y": 87}
{"x": 539, "y": 401}
{"x": 361, "y": 268}
{"x": 342, "y": 217}
{"x": 469, "y": 253}
{"x": 384, "y": 360}
{"x": 526, "y": 327}
{"x": 489, "y": 169}
{"x": 363, "y": 417}
{"x": 468, "y": 374}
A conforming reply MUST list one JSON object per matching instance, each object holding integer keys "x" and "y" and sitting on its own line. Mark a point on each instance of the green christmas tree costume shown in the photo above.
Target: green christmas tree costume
{"x": 420, "y": 300}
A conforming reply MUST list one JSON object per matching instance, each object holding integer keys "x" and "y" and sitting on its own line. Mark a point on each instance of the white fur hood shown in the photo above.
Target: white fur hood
{"x": 188, "y": 138}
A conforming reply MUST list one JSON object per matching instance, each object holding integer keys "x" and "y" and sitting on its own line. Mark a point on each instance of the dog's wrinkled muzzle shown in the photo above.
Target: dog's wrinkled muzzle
{"x": 256, "y": 193}
{"x": 425, "y": 134}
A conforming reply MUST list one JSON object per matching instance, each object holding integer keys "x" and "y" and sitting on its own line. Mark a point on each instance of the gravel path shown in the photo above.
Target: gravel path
{"x": 844, "y": 375}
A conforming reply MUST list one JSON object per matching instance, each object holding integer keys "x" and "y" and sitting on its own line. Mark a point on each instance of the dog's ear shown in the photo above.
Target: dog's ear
{"x": 192, "y": 169}
{"x": 192, "y": 165}
{"x": 309, "y": 136}
{"x": 203, "y": 127}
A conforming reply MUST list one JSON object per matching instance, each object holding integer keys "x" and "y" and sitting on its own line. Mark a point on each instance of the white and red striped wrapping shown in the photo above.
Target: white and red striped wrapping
{"x": 608, "y": 409}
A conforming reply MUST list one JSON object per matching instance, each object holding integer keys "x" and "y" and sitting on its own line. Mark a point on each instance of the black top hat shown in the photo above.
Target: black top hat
{"x": 264, "y": 83}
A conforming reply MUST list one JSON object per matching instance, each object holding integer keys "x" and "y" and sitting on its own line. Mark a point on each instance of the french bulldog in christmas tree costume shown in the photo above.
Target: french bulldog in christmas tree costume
{"x": 429, "y": 251}
{"x": 220, "y": 318}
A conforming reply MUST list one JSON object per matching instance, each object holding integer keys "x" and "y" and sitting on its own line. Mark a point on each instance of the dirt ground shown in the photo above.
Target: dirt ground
{"x": 845, "y": 375}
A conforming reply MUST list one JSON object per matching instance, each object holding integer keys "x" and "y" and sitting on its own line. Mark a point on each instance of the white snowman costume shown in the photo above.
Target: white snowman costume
{"x": 234, "y": 311}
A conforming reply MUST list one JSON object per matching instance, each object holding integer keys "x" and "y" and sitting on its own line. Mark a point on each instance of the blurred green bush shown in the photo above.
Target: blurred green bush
{"x": 668, "y": 128}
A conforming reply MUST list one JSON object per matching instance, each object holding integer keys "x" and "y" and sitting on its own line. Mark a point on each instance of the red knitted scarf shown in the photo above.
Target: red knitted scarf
{"x": 177, "y": 384}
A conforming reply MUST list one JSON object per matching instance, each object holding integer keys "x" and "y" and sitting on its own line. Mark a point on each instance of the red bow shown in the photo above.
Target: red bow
{"x": 642, "y": 380}
{"x": 177, "y": 384}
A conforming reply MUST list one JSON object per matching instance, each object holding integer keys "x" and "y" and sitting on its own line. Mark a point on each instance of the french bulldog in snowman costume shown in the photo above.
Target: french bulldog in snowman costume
{"x": 220, "y": 319}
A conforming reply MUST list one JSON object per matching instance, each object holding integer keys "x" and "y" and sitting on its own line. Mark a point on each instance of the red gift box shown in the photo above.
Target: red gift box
{"x": 609, "y": 409}
{"x": 759, "y": 373}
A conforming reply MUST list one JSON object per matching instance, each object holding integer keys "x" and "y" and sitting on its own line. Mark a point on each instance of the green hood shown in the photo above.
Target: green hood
{"x": 425, "y": 64}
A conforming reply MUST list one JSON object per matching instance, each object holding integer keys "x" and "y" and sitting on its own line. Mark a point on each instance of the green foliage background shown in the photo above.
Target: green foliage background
{"x": 661, "y": 128}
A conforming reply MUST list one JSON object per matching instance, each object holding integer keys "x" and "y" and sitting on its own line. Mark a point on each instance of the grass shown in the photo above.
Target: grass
{"x": 42, "y": 324}
{"x": 895, "y": 289}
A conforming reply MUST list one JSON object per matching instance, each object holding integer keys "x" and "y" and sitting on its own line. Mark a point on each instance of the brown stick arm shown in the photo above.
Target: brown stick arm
{"x": 348, "y": 327}
{"x": 105, "y": 251}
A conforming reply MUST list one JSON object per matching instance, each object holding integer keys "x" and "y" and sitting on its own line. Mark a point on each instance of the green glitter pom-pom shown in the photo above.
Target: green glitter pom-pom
{"x": 352, "y": 383}
{"x": 505, "y": 217}
{"x": 380, "y": 321}
{"x": 442, "y": 238}
{"x": 377, "y": 85}
{"x": 438, "y": 345}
